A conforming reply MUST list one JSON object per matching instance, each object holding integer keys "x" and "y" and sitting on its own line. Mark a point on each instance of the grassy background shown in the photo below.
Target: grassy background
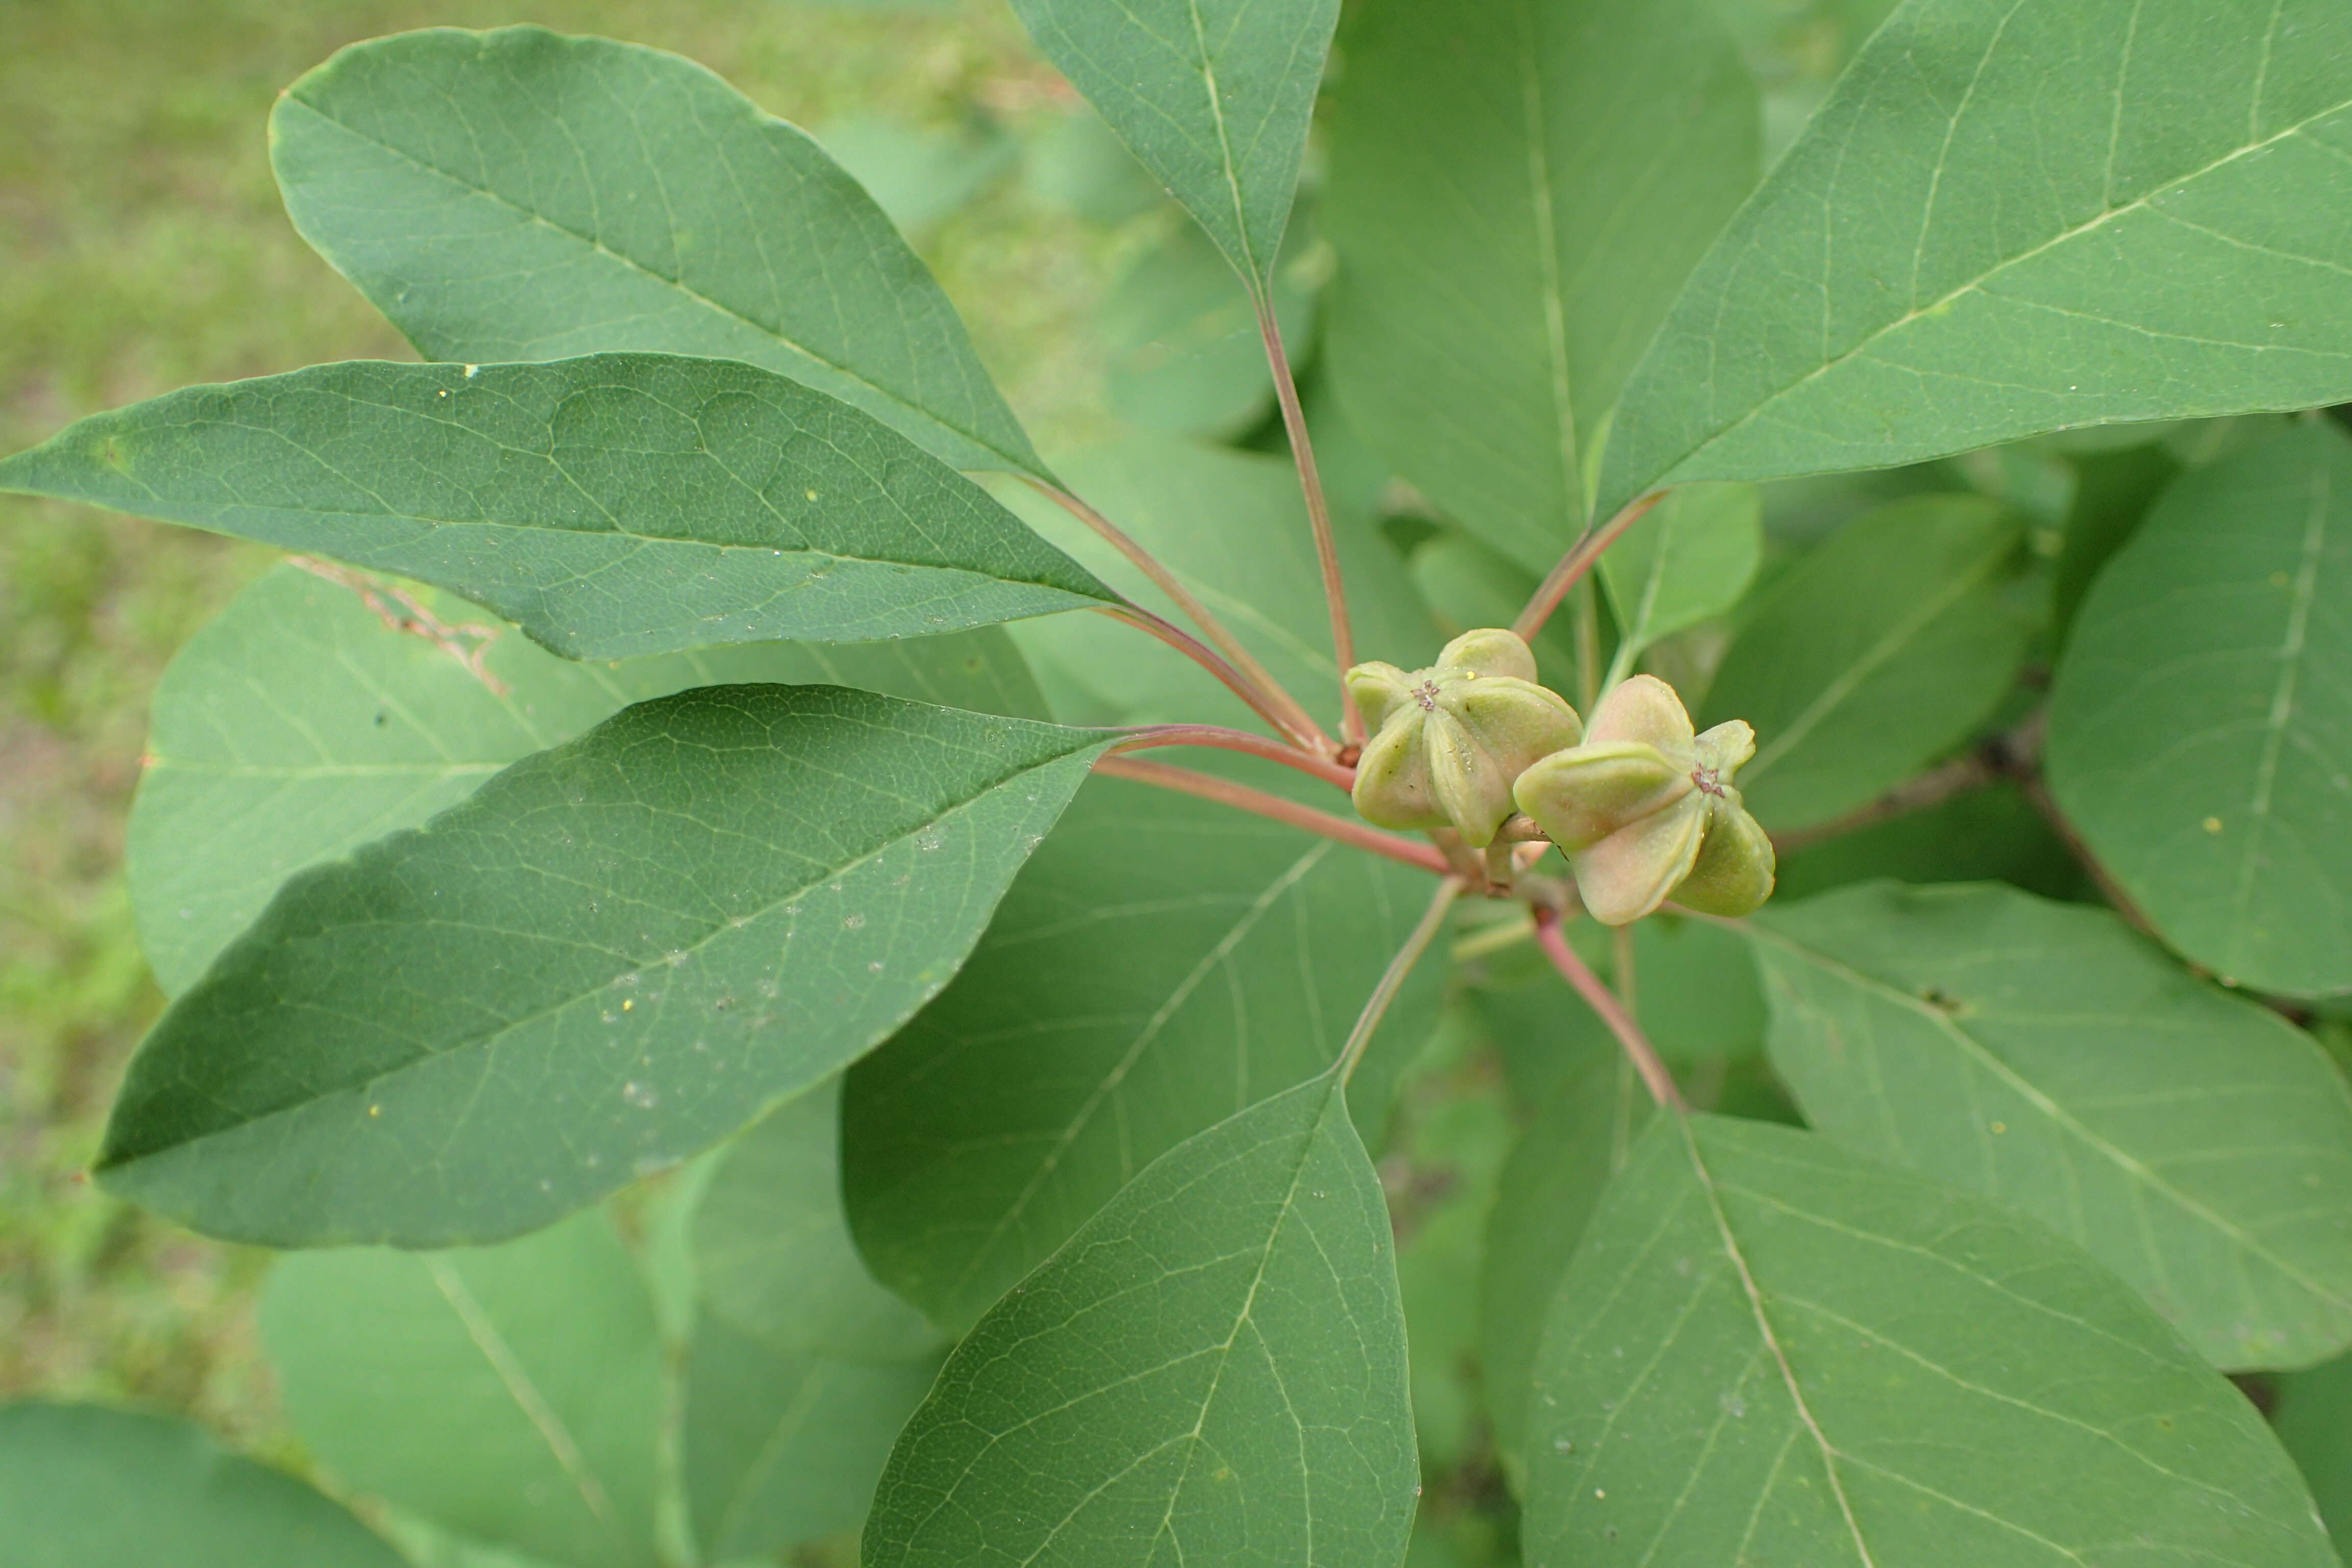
{"x": 142, "y": 247}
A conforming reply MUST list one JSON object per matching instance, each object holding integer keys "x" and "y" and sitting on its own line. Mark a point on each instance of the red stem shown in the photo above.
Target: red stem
{"x": 1319, "y": 513}
{"x": 1346, "y": 830}
{"x": 1217, "y": 736}
{"x": 1601, "y": 1000}
{"x": 1577, "y": 562}
{"x": 1232, "y": 646}
{"x": 1313, "y": 739}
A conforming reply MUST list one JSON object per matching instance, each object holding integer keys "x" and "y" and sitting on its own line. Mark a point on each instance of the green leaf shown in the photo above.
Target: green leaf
{"x": 611, "y": 506}
{"x": 1212, "y": 1371}
{"x": 2314, "y": 1421}
{"x": 1697, "y": 992}
{"x": 517, "y": 194}
{"x": 305, "y": 721}
{"x": 1771, "y": 1351}
{"x": 1162, "y": 964}
{"x": 614, "y": 954}
{"x": 1911, "y": 282}
{"x": 511, "y": 1393}
{"x": 1880, "y": 649}
{"x": 1232, "y": 526}
{"x": 1690, "y": 557}
{"x": 1516, "y": 192}
{"x": 2200, "y": 724}
{"x": 83, "y": 1487}
{"x": 772, "y": 1250}
{"x": 1212, "y": 97}
{"x": 783, "y": 1447}
{"x": 2048, "y": 1058}
{"x": 1579, "y": 1138}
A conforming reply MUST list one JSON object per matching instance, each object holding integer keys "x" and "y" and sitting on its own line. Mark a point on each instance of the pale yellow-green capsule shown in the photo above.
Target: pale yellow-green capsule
{"x": 1448, "y": 741}
{"x": 1646, "y": 810}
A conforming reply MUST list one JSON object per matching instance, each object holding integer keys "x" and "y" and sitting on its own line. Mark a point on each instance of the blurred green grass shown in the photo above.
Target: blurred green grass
{"x": 142, "y": 247}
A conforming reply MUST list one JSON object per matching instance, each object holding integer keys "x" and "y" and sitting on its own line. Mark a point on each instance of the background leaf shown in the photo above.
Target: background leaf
{"x": 1163, "y": 964}
{"x": 1904, "y": 286}
{"x": 2049, "y": 1059}
{"x": 1579, "y": 1138}
{"x": 1877, "y": 651}
{"x": 2314, "y": 1421}
{"x": 517, "y": 194}
{"x": 1690, "y": 557}
{"x": 773, "y": 1251}
{"x": 1212, "y": 97}
{"x": 1182, "y": 336}
{"x": 300, "y": 724}
{"x": 1772, "y": 1349}
{"x": 1517, "y": 191}
{"x": 612, "y": 955}
{"x": 615, "y": 505}
{"x": 83, "y": 1487}
{"x": 783, "y": 1447}
{"x": 1214, "y": 1365}
{"x": 2201, "y": 723}
{"x": 512, "y": 1394}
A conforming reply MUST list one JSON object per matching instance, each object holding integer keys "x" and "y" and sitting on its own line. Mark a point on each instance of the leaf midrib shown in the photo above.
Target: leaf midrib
{"x": 2060, "y": 1118}
{"x": 515, "y": 1379}
{"x": 318, "y": 1095}
{"x": 764, "y": 329}
{"x": 2282, "y": 709}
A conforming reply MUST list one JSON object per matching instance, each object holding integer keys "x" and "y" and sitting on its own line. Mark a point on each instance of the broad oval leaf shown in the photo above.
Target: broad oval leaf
{"x": 83, "y": 1487}
{"x": 2314, "y": 1416}
{"x": 1212, "y": 1370}
{"x": 518, "y": 195}
{"x": 1689, "y": 557}
{"x": 1212, "y": 96}
{"x": 1517, "y": 191}
{"x": 1884, "y": 646}
{"x": 2044, "y": 1055}
{"x": 2201, "y": 727}
{"x": 614, "y": 954}
{"x": 611, "y": 506}
{"x": 511, "y": 1393}
{"x": 772, "y": 1252}
{"x": 1908, "y": 283}
{"x": 1162, "y": 964}
{"x": 313, "y": 716}
{"x": 1772, "y": 1350}
{"x": 783, "y": 1447}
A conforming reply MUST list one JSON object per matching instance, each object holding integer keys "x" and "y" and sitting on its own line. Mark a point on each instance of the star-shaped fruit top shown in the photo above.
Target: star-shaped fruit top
{"x": 1645, "y": 809}
{"x": 1448, "y": 741}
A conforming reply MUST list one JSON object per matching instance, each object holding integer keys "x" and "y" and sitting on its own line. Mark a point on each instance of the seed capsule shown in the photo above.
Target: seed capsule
{"x": 1448, "y": 741}
{"x": 1645, "y": 809}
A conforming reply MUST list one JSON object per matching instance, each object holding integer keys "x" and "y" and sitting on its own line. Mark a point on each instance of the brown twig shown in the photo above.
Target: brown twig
{"x": 1599, "y": 997}
{"x": 1318, "y": 512}
{"x": 1225, "y": 791}
{"x": 1235, "y": 651}
{"x": 1577, "y": 562}
{"x": 466, "y": 642}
